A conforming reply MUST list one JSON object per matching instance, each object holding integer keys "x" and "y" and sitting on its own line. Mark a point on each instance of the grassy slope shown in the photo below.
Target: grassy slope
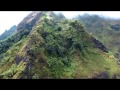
{"x": 101, "y": 29}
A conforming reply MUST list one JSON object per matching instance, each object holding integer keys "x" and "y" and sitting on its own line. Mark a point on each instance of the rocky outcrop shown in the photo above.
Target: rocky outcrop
{"x": 116, "y": 55}
{"x": 98, "y": 44}
{"x": 29, "y": 21}
{"x": 115, "y": 27}
{"x": 102, "y": 75}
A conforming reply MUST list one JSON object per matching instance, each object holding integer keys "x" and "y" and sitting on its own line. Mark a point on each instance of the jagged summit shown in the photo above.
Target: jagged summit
{"x": 29, "y": 21}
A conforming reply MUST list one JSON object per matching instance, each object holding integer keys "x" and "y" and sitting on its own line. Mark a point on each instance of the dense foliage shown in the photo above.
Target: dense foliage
{"x": 55, "y": 48}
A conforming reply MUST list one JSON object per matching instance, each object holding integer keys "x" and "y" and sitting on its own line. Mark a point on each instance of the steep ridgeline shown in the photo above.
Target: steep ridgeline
{"x": 8, "y": 33}
{"x": 23, "y": 29}
{"x": 55, "y": 48}
{"x": 29, "y": 21}
{"x": 105, "y": 30}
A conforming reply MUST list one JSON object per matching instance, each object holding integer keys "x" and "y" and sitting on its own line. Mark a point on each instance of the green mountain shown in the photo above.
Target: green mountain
{"x": 8, "y": 33}
{"x": 49, "y": 46}
{"x": 104, "y": 29}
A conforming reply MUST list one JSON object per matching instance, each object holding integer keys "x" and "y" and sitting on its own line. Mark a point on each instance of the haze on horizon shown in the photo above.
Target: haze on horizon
{"x": 10, "y": 18}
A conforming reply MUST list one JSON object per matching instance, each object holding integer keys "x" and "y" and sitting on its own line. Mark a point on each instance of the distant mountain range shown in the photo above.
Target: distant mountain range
{"x": 8, "y": 33}
{"x": 105, "y": 30}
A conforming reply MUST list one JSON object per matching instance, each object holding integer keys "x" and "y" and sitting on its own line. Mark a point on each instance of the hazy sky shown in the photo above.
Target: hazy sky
{"x": 10, "y": 18}
{"x": 111, "y": 14}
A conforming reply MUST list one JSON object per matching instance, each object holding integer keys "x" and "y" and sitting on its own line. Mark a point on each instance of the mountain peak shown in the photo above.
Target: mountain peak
{"x": 29, "y": 21}
{"x": 49, "y": 46}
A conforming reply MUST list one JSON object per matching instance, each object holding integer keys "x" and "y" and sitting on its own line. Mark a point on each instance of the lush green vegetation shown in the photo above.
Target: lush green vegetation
{"x": 55, "y": 48}
{"x": 105, "y": 30}
{"x": 6, "y": 44}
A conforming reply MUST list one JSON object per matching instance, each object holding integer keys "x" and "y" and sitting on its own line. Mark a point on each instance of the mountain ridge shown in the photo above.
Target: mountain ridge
{"x": 106, "y": 30}
{"x": 55, "y": 48}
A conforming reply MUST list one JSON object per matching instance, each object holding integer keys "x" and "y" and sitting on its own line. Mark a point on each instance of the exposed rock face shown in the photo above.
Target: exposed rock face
{"x": 116, "y": 55}
{"x": 29, "y": 21}
{"x": 18, "y": 59}
{"x": 99, "y": 45}
{"x": 115, "y": 27}
{"x": 102, "y": 75}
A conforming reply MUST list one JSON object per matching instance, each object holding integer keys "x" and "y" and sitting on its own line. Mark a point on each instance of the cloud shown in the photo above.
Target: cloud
{"x": 110, "y": 14}
{"x": 10, "y": 18}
